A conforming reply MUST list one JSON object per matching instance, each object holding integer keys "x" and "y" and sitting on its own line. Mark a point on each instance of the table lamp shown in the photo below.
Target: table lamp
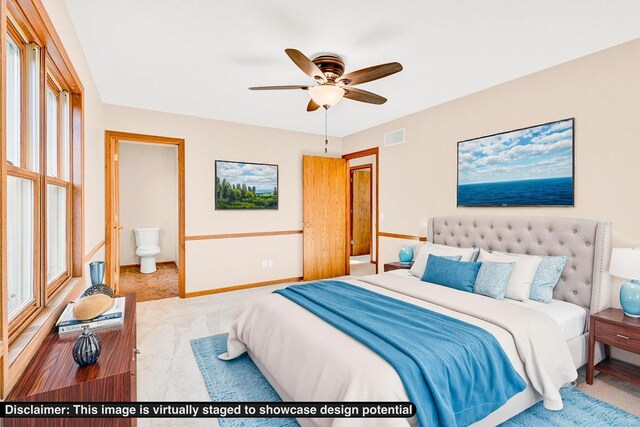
{"x": 625, "y": 263}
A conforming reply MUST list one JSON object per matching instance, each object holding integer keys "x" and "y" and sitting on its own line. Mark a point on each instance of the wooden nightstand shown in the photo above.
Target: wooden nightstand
{"x": 612, "y": 328}
{"x": 396, "y": 266}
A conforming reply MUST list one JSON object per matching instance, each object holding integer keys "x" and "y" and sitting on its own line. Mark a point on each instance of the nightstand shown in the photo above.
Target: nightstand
{"x": 612, "y": 328}
{"x": 396, "y": 266}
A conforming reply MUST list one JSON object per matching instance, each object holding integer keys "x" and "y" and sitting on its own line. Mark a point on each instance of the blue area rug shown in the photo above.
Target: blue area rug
{"x": 240, "y": 380}
{"x": 237, "y": 380}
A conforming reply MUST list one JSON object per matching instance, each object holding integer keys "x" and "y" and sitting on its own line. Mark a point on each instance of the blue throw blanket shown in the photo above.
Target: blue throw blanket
{"x": 455, "y": 373}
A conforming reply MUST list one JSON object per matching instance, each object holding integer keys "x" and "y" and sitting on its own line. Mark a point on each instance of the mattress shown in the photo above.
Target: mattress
{"x": 571, "y": 318}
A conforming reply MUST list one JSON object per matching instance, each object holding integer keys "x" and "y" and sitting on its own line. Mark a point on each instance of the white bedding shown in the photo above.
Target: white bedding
{"x": 307, "y": 359}
{"x": 571, "y": 318}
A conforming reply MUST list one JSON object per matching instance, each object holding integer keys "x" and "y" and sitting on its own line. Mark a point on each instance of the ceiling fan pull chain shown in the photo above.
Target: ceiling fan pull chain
{"x": 326, "y": 139}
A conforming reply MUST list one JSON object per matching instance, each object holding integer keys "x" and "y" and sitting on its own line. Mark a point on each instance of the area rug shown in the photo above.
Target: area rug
{"x": 240, "y": 380}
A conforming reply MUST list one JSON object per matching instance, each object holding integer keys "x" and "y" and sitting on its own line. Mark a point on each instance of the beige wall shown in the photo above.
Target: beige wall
{"x": 148, "y": 197}
{"x": 228, "y": 262}
{"x": 93, "y": 129}
{"x": 418, "y": 178}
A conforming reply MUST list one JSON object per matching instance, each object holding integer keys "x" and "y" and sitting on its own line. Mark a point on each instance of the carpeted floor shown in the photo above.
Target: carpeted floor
{"x": 167, "y": 369}
{"x": 361, "y": 265}
{"x": 241, "y": 380}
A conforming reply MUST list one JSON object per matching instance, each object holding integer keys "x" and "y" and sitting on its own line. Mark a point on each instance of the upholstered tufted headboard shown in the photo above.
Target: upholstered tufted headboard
{"x": 587, "y": 243}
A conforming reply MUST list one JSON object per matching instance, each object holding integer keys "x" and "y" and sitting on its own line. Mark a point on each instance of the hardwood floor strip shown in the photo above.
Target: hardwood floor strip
{"x": 157, "y": 263}
{"x": 239, "y": 235}
{"x": 93, "y": 251}
{"x": 402, "y": 236}
{"x": 240, "y": 287}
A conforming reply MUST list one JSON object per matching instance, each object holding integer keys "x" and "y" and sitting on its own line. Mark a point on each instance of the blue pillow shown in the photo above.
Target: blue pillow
{"x": 454, "y": 274}
{"x": 546, "y": 278}
{"x": 493, "y": 279}
{"x": 451, "y": 257}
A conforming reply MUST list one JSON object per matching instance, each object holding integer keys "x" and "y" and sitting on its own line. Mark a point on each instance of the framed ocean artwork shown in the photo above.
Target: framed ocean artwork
{"x": 244, "y": 185}
{"x": 533, "y": 166}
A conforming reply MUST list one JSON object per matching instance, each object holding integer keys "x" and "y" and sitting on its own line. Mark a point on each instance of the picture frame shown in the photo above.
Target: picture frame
{"x": 532, "y": 166}
{"x": 245, "y": 185}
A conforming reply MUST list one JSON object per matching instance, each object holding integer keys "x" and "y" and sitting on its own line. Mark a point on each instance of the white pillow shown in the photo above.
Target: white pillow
{"x": 420, "y": 263}
{"x": 524, "y": 270}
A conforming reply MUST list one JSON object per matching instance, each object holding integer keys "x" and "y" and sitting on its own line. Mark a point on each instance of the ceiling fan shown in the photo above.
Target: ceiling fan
{"x": 332, "y": 83}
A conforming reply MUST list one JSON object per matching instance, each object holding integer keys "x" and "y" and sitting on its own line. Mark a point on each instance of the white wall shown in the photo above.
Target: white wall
{"x": 227, "y": 262}
{"x": 93, "y": 129}
{"x": 148, "y": 197}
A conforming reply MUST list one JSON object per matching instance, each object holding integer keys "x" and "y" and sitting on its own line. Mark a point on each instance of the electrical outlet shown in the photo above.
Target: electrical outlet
{"x": 264, "y": 263}
{"x": 270, "y": 263}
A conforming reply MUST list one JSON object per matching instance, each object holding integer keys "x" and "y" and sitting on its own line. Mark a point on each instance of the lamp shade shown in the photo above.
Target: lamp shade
{"x": 625, "y": 263}
{"x": 326, "y": 95}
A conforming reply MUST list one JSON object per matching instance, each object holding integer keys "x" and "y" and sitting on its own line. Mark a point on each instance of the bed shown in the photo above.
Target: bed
{"x": 307, "y": 359}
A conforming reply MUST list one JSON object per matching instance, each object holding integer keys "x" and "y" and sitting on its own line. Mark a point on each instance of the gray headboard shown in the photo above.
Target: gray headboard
{"x": 587, "y": 243}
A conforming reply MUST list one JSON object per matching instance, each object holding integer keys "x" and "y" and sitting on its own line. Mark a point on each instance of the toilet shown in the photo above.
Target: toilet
{"x": 147, "y": 247}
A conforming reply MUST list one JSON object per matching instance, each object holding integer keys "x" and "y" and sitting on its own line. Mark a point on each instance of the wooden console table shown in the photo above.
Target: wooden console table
{"x": 53, "y": 375}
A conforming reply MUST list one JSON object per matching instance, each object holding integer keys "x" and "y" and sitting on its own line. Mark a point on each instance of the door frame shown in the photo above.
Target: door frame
{"x": 112, "y": 194}
{"x": 350, "y": 212}
{"x": 375, "y": 151}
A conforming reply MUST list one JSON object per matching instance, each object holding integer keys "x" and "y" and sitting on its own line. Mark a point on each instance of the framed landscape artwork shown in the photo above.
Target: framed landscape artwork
{"x": 533, "y": 166}
{"x": 243, "y": 185}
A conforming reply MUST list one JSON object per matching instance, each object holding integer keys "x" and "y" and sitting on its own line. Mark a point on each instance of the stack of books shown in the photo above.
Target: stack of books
{"x": 113, "y": 317}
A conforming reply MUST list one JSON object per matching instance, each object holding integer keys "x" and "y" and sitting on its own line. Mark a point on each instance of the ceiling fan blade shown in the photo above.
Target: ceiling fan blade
{"x": 363, "y": 96}
{"x": 369, "y": 74}
{"x": 303, "y": 87}
{"x": 306, "y": 65}
{"x": 312, "y": 106}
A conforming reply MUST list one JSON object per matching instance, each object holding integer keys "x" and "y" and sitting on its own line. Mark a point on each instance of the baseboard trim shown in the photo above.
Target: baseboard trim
{"x": 402, "y": 236}
{"x": 241, "y": 287}
{"x": 157, "y": 262}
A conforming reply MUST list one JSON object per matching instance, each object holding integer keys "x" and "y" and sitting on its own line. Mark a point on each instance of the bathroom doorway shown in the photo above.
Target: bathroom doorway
{"x": 144, "y": 215}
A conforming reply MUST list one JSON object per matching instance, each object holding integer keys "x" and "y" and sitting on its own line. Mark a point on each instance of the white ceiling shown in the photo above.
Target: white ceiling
{"x": 197, "y": 57}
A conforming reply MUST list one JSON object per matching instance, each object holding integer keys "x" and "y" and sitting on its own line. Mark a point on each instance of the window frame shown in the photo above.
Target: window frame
{"x": 55, "y": 83}
{"x": 21, "y": 320}
{"x": 26, "y": 28}
{"x": 21, "y": 43}
{"x": 24, "y": 316}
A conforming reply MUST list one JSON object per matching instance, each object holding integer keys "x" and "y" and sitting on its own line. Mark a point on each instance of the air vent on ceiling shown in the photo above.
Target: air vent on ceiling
{"x": 394, "y": 138}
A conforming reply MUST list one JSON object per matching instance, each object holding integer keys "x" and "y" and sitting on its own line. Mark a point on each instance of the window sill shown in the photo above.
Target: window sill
{"x": 22, "y": 349}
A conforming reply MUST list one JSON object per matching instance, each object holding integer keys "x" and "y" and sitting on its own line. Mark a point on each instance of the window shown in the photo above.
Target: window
{"x": 14, "y": 101}
{"x": 58, "y": 216}
{"x": 39, "y": 193}
{"x": 20, "y": 245}
{"x": 52, "y": 133}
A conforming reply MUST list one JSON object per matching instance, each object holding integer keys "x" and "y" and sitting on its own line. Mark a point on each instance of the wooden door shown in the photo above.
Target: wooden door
{"x": 324, "y": 187}
{"x": 112, "y": 232}
{"x": 116, "y": 217}
{"x": 361, "y": 212}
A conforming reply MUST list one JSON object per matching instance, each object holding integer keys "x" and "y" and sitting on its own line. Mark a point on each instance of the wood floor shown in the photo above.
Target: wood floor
{"x": 147, "y": 287}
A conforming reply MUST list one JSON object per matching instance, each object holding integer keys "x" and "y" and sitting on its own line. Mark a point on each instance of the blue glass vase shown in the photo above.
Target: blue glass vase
{"x": 406, "y": 255}
{"x": 630, "y": 298}
{"x": 96, "y": 271}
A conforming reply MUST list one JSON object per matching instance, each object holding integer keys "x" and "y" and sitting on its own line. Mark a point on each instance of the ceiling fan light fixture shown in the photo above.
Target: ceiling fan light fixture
{"x": 326, "y": 95}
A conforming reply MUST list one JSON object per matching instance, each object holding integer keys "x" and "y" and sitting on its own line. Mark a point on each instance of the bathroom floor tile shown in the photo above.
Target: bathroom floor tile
{"x": 158, "y": 285}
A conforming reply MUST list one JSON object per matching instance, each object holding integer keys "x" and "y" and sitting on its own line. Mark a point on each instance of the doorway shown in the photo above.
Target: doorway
{"x": 362, "y": 253}
{"x": 144, "y": 236}
{"x": 361, "y": 219}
